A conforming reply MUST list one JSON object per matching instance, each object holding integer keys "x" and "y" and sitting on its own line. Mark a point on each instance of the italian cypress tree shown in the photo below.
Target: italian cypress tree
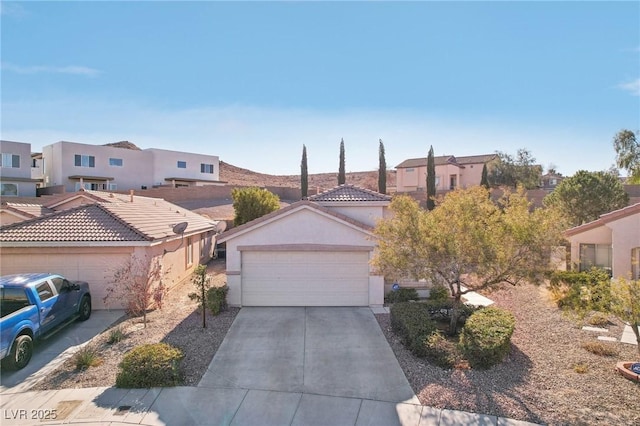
{"x": 431, "y": 180}
{"x": 484, "y": 180}
{"x": 342, "y": 178}
{"x": 382, "y": 170}
{"x": 304, "y": 173}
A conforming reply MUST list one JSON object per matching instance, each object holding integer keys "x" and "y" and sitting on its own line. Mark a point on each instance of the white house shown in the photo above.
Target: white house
{"x": 314, "y": 252}
{"x": 15, "y": 170}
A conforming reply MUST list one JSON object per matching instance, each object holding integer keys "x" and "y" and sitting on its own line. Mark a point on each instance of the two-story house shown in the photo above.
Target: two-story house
{"x": 451, "y": 172}
{"x": 15, "y": 170}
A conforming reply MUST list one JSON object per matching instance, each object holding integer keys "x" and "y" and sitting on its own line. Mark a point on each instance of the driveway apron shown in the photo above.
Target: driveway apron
{"x": 331, "y": 351}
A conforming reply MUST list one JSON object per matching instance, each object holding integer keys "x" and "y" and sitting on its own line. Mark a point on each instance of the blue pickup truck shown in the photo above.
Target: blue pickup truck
{"x": 34, "y": 306}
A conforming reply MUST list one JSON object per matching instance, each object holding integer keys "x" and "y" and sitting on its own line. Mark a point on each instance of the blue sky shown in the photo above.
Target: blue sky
{"x": 252, "y": 82}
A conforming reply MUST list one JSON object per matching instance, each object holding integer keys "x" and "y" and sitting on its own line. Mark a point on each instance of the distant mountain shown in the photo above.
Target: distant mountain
{"x": 238, "y": 176}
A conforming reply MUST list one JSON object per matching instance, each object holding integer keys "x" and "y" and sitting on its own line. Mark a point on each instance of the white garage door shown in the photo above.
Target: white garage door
{"x": 291, "y": 278}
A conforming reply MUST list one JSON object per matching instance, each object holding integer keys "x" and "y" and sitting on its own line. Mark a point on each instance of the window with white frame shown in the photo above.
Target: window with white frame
{"x": 635, "y": 263}
{"x": 206, "y": 168}
{"x": 182, "y": 164}
{"x": 10, "y": 161}
{"x": 115, "y": 162}
{"x": 84, "y": 160}
{"x": 595, "y": 255}
{"x": 189, "y": 252}
{"x": 9, "y": 190}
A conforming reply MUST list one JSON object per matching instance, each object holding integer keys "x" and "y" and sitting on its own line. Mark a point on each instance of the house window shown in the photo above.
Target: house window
{"x": 411, "y": 170}
{"x": 182, "y": 164}
{"x": 635, "y": 263}
{"x": 201, "y": 246}
{"x": 91, "y": 186}
{"x": 595, "y": 255}
{"x": 9, "y": 190}
{"x": 553, "y": 182}
{"x": 453, "y": 181}
{"x": 114, "y": 187}
{"x": 115, "y": 162}
{"x": 189, "y": 252}
{"x": 206, "y": 168}
{"x": 10, "y": 161}
{"x": 85, "y": 160}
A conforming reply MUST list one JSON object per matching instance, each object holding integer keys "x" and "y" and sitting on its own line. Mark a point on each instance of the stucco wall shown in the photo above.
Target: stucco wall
{"x": 600, "y": 235}
{"x": 165, "y": 165}
{"x": 368, "y": 215}
{"x": 626, "y": 236}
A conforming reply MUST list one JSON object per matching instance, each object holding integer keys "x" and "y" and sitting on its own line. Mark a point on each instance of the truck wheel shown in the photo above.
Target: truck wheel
{"x": 20, "y": 353}
{"x": 85, "y": 308}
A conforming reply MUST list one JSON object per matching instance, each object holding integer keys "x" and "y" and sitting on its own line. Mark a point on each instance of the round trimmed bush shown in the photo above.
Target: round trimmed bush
{"x": 151, "y": 365}
{"x": 486, "y": 337}
{"x": 412, "y": 321}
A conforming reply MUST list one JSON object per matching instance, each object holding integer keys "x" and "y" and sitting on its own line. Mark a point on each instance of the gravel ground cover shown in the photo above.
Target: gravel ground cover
{"x": 178, "y": 323}
{"x": 537, "y": 382}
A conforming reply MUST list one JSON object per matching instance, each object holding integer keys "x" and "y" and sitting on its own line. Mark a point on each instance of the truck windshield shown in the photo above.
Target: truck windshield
{"x": 12, "y": 299}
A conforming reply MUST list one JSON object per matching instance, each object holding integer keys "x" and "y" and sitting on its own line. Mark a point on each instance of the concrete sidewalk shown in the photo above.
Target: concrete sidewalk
{"x": 205, "y": 406}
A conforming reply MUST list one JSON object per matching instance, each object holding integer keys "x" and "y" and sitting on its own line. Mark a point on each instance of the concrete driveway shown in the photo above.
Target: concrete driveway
{"x": 339, "y": 352}
{"x": 49, "y": 354}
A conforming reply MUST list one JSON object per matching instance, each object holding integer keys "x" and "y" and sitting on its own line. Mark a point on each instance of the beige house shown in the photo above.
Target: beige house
{"x": 86, "y": 235}
{"x": 451, "y": 172}
{"x": 15, "y": 170}
{"x": 314, "y": 252}
{"x": 611, "y": 242}
{"x": 109, "y": 168}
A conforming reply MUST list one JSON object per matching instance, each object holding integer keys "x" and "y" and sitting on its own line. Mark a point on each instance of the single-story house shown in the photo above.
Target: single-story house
{"x": 89, "y": 234}
{"x": 611, "y": 242}
{"x": 314, "y": 252}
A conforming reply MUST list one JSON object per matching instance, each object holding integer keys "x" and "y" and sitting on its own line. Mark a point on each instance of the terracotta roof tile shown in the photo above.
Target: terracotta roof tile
{"x": 31, "y": 210}
{"x": 79, "y": 224}
{"x": 349, "y": 193}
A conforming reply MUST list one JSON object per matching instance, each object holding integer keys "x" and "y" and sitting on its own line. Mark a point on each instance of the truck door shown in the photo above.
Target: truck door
{"x": 48, "y": 299}
{"x": 67, "y": 299}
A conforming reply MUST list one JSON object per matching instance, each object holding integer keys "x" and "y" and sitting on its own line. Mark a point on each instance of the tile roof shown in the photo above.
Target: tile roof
{"x": 284, "y": 211}
{"x": 108, "y": 217}
{"x": 604, "y": 219}
{"x": 80, "y": 224}
{"x": 349, "y": 193}
{"x": 446, "y": 159}
{"x": 28, "y": 210}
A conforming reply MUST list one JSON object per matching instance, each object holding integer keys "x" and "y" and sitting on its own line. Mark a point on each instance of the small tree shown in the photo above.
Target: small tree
{"x": 342, "y": 177}
{"x": 201, "y": 280}
{"x": 431, "y": 180}
{"x": 585, "y": 196}
{"x": 625, "y": 303}
{"x": 137, "y": 285}
{"x": 382, "y": 170}
{"x": 304, "y": 173}
{"x": 484, "y": 180}
{"x": 628, "y": 154}
{"x": 252, "y": 203}
{"x": 467, "y": 243}
{"x": 514, "y": 171}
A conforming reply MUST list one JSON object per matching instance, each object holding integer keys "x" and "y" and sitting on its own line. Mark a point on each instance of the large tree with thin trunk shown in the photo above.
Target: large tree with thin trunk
{"x": 468, "y": 242}
{"x": 431, "y": 180}
{"x": 628, "y": 154}
{"x": 584, "y": 196}
{"x": 382, "y": 170}
{"x": 304, "y": 173}
{"x": 342, "y": 177}
{"x": 512, "y": 171}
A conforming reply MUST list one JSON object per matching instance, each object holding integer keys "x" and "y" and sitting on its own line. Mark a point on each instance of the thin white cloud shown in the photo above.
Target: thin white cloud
{"x": 12, "y": 9}
{"x": 632, "y": 87}
{"x": 37, "y": 69}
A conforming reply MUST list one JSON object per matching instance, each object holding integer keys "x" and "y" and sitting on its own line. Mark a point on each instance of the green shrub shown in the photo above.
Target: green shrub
{"x": 151, "y": 365}
{"x": 438, "y": 293}
{"x": 600, "y": 348}
{"x": 217, "y": 299}
{"x": 441, "y": 351}
{"x": 582, "y": 291}
{"x": 87, "y": 356}
{"x": 440, "y": 310}
{"x": 116, "y": 335}
{"x": 401, "y": 295}
{"x": 599, "y": 319}
{"x": 486, "y": 337}
{"x": 413, "y": 324}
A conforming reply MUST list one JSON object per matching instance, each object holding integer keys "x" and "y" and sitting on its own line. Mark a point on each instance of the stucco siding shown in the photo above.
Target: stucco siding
{"x": 625, "y": 237}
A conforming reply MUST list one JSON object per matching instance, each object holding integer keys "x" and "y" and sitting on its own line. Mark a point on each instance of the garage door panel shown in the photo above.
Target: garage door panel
{"x": 305, "y": 279}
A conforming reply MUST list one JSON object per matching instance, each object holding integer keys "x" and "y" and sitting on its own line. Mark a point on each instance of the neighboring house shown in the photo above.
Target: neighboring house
{"x": 551, "y": 180}
{"x": 611, "y": 242}
{"x": 18, "y": 212}
{"x": 15, "y": 170}
{"x": 89, "y": 234}
{"x": 104, "y": 167}
{"x": 314, "y": 252}
{"x": 451, "y": 172}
